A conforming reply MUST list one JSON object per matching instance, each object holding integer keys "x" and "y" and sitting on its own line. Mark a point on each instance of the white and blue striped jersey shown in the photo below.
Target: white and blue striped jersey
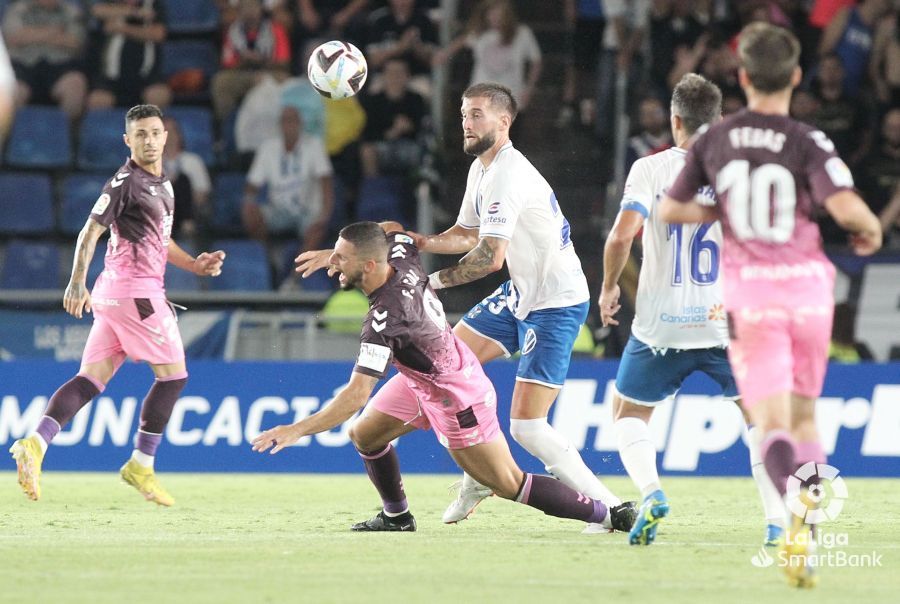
{"x": 679, "y": 297}
{"x": 510, "y": 199}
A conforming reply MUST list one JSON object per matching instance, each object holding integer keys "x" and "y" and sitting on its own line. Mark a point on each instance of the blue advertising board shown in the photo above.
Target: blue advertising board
{"x": 225, "y": 405}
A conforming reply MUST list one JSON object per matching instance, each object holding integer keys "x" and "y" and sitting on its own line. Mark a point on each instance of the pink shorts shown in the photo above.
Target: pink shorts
{"x": 458, "y": 422}
{"x": 144, "y": 329}
{"x": 779, "y": 349}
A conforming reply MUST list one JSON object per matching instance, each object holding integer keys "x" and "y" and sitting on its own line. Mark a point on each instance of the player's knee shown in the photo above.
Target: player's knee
{"x": 364, "y": 441}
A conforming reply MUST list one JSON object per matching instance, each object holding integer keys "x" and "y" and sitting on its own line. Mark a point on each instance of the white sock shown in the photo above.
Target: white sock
{"x": 773, "y": 506}
{"x": 142, "y": 458}
{"x": 394, "y": 514}
{"x": 560, "y": 458}
{"x": 43, "y": 443}
{"x": 638, "y": 453}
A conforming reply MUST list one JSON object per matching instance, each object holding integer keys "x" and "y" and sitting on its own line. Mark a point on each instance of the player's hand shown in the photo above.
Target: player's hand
{"x": 609, "y": 305}
{"x": 76, "y": 299}
{"x": 418, "y": 239}
{"x": 209, "y": 264}
{"x": 276, "y": 438}
{"x": 866, "y": 243}
{"x": 312, "y": 261}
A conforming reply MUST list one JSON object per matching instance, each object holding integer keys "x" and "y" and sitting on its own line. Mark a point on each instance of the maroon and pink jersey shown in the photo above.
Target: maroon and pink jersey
{"x": 771, "y": 175}
{"x": 406, "y": 326}
{"x": 138, "y": 209}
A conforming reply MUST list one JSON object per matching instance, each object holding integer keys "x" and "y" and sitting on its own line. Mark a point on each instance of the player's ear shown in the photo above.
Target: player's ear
{"x": 796, "y": 77}
{"x": 743, "y": 80}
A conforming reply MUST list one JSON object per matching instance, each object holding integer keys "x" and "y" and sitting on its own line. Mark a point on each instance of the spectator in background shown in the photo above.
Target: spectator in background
{"x": 190, "y": 181}
{"x": 621, "y": 54}
{"x": 46, "y": 44}
{"x": 394, "y": 120}
{"x": 880, "y": 183}
{"x": 673, "y": 25}
{"x": 850, "y": 36}
{"x": 804, "y": 105}
{"x": 331, "y": 19}
{"x": 846, "y": 121}
{"x": 504, "y": 51}
{"x": 297, "y": 174}
{"x": 585, "y": 23}
{"x": 655, "y": 134}
{"x": 253, "y": 46}
{"x": 884, "y": 67}
{"x": 132, "y": 32}
{"x": 401, "y": 29}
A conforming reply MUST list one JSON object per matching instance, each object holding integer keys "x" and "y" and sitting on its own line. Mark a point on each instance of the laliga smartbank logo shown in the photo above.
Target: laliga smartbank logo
{"x": 815, "y": 494}
{"x": 823, "y": 498}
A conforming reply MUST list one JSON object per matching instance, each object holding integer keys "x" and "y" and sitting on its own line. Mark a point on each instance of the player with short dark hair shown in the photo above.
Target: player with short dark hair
{"x": 510, "y": 215}
{"x": 131, "y": 314}
{"x": 440, "y": 385}
{"x": 680, "y": 270}
{"x": 771, "y": 173}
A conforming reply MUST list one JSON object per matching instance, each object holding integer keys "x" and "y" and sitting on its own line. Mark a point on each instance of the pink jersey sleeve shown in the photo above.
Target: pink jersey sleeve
{"x": 828, "y": 174}
{"x": 113, "y": 199}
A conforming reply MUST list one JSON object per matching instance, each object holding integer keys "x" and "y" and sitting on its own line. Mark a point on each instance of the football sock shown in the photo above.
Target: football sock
{"x": 773, "y": 506}
{"x": 383, "y": 468}
{"x": 779, "y": 454}
{"x": 46, "y": 430}
{"x": 556, "y": 499}
{"x": 159, "y": 402}
{"x": 145, "y": 444}
{"x": 810, "y": 451}
{"x": 638, "y": 453}
{"x": 64, "y": 404}
{"x": 560, "y": 458}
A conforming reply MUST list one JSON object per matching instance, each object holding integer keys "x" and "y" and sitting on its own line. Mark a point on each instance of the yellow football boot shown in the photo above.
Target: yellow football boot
{"x": 145, "y": 481}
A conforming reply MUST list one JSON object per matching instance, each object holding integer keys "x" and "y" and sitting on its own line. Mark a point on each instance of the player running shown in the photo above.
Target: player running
{"x": 131, "y": 314}
{"x": 771, "y": 173}
{"x": 440, "y": 385}
{"x": 680, "y": 270}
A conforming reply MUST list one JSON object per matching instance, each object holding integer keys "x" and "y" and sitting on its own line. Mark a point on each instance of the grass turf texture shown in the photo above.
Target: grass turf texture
{"x": 274, "y": 538}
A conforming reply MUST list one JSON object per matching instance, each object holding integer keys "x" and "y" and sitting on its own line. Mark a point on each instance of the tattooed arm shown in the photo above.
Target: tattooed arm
{"x": 486, "y": 258}
{"x": 77, "y": 297}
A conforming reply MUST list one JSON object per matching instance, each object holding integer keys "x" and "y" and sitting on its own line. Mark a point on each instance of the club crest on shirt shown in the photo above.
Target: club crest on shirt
{"x": 101, "y": 204}
{"x": 152, "y": 190}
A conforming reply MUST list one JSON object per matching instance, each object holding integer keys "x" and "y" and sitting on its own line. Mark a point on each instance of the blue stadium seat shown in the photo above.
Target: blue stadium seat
{"x": 79, "y": 193}
{"x": 191, "y": 16}
{"x": 380, "y": 199}
{"x": 179, "y": 55}
{"x": 227, "y": 195}
{"x": 26, "y": 204}
{"x": 246, "y": 266}
{"x": 197, "y": 129}
{"x": 101, "y": 146}
{"x": 30, "y": 265}
{"x": 39, "y": 139}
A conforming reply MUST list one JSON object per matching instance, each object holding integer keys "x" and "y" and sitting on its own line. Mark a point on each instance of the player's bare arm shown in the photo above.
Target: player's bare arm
{"x": 676, "y": 212}
{"x": 487, "y": 257}
{"x": 207, "y": 264}
{"x": 615, "y": 256}
{"x": 851, "y": 213}
{"x": 455, "y": 240}
{"x": 313, "y": 260}
{"x": 77, "y": 298}
{"x": 348, "y": 401}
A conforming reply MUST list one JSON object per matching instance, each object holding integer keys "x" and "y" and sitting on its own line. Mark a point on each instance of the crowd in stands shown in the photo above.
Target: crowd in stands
{"x": 254, "y": 152}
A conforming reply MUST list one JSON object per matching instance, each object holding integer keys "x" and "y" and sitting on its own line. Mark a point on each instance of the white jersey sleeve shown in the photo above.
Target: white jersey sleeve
{"x": 640, "y": 188}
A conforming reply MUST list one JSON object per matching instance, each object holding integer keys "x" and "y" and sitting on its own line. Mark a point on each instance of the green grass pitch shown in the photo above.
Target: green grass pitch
{"x": 285, "y": 538}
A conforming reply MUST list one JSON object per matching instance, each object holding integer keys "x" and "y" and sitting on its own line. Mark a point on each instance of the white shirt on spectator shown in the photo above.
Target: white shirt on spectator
{"x": 505, "y": 65}
{"x": 292, "y": 177}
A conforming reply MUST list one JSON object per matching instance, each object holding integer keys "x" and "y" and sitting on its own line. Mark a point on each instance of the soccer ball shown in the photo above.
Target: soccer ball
{"x": 337, "y": 70}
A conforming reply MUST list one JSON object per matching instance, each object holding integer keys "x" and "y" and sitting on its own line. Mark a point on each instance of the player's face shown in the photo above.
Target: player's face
{"x": 480, "y": 123}
{"x": 349, "y": 266}
{"x": 146, "y": 138}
